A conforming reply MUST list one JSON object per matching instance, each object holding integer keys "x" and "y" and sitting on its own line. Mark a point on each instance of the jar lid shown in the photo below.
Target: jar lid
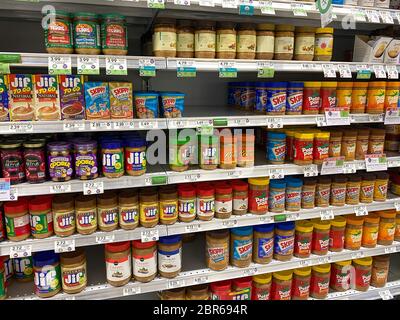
{"x": 10, "y": 145}
{"x": 388, "y": 214}
{"x": 322, "y": 135}
{"x": 372, "y": 218}
{"x": 344, "y": 263}
{"x": 312, "y": 84}
{"x": 302, "y": 135}
{"x": 285, "y": 275}
{"x": 85, "y": 15}
{"x": 186, "y": 190}
{"x": 224, "y": 285}
{"x": 59, "y": 146}
{"x": 368, "y": 176}
{"x": 246, "y": 26}
{"x": 294, "y": 182}
{"x": 265, "y": 27}
{"x": 206, "y": 24}
{"x": 309, "y": 181}
{"x": 382, "y": 175}
{"x": 264, "y": 228}
{"x": 324, "y": 180}
{"x": 113, "y": 16}
{"x": 153, "y": 95}
{"x": 45, "y": 258}
{"x": 353, "y": 178}
{"x": 259, "y": 181}
{"x": 118, "y": 246}
{"x": 377, "y": 84}
{"x": 40, "y": 203}
{"x": 321, "y": 224}
{"x": 226, "y": 25}
{"x": 223, "y": 187}
{"x": 280, "y": 184}
{"x": 242, "y": 282}
{"x": 284, "y": 27}
{"x": 382, "y": 258}
{"x": 360, "y": 84}
{"x": 343, "y": 84}
{"x": 295, "y": 84}
{"x": 302, "y": 272}
{"x": 85, "y": 201}
{"x": 15, "y": 207}
{"x": 89, "y": 144}
{"x": 107, "y": 198}
{"x": 336, "y": 134}
{"x": 367, "y": 261}
{"x": 276, "y": 135}
{"x": 340, "y": 179}
{"x": 354, "y": 220}
{"x": 111, "y": 144}
{"x": 128, "y": 196}
{"x": 322, "y": 268}
{"x": 170, "y": 239}
{"x": 224, "y": 233}
{"x": 277, "y": 84}
{"x": 205, "y": 190}
{"x": 242, "y": 231}
{"x": 185, "y": 23}
{"x": 391, "y": 84}
{"x": 290, "y": 225}
{"x": 263, "y": 278}
{"x": 324, "y": 30}
{"x": 73, "y": 257}
{"x": 304, "y": 226}
{"x": 143, "y": 245}
{"x": 239, "y": 185}
{"x": 329, "y": 84}
{"x": 305, "y": 29}
{"x": 363, "y": 132}
{"x": 377, "y": 132}
{"x": 33, "y": 144}
{"x": 349, "y": 133}
{"x": 338, "y": 222}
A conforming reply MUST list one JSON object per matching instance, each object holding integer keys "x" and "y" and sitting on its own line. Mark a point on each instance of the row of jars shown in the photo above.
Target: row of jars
{"x": 226, "y": 40}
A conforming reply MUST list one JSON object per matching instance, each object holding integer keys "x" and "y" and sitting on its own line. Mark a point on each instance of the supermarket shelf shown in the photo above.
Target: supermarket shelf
{"x": 197, "y": 274}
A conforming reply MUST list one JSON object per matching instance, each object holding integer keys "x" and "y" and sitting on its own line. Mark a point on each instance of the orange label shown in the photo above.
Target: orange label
{"x": 353, "y": 238}
{"x": 386, "y": 231}
{"x": 376, "y": 99}
{"x": 359, "y": 99}
{"x": 391, "y": 98}
{"x": 370, "y": 235}
{"x": 343, "y": 97}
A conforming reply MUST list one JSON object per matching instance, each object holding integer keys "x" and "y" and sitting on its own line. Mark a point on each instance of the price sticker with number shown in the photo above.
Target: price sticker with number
{"x": 93, "y": 187}
{"x": 147, "y": 67}
{"x": 88, "y": 65}
{"x": 156, "y": 4}
{"x": 392, "y": 72}
{"x": 149, "y": 235}
{"x": 229, "y": 223}
{"x": 327, "y": 214}
{"x": 61, "y": 246}
{"x": 298, "y": 10}
{"x": 329, "y": 70}
{"x": 116, "y": 66}
{"x": 379, "y": 71}
{"x": 20, "y": 127}
{"x": 392, "y": 116}
{"x": 229, "y": 4}
{"x": 344, "y": 71}
{"x": 105, "y": 238}
{"x": 186, "y": 69}
{"x": 175, "y": 284}
{"x": 386, "y": 295}
{"x": 372, "y": 16}
{"x": 267, "y": 7}
{"x": 386, "y": 17}
{"x": 59, "y": 64}
{"x": 274, "y": 123}
{"x": 333, "y": 165}
{"x": 310, "y": 170}
{"x": 74, "y": 126}
{"x": 61, "y": 188}
{"x": 227, "y": 69}
{"x": 195, "y": 227}
{"x": 20, "y": 251}
{"x": 131, "y": 291}
{"x": 265, "y": 70}
{"x": 321, "y": 121}
{"x": 360, "y": 211}
{"x": 276, "y": 174}
{"x": 375, "y": 162}
{"x": 182, "y": 2}
{"x": 100, "y": 125}
{"x": 349, "y": 167}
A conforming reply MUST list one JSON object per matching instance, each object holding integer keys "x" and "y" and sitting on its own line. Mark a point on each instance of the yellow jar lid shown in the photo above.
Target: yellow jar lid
{"x": 377, "y": 84}
{"x": 391, "y": 84}
{"x": 359, "y": 84}
{"x": 263, "y": 278}
{"x": 305, "y": 29}
{"x": 338, "y": 222}
{"x": 322, "y": 135}
{"x": 347, "y": 84}
{"x": 266, "y": 27}
{"x": 284, "y": 27}
{"x": 312, "y": 84}
{"x": 321, "y": 224}
{"x": 323, "y": 268}
{"x": 302, "y": 272}
{"x": 343, "y": 263}
{"x": 324, "y": 30}
{"x": 363, "y": 261}
{"x": 285, "y": 275}
{"x": 304, "y": 226}
{"x": 259, "y": 181}
{"x": 301, "y": 135}
{"x": 354, "y": 220}
{"x": 328, "y": 84}
{"x": 389, "y": 214}
{"x": 290, "y": 132}
{"x": 372, "y": 218}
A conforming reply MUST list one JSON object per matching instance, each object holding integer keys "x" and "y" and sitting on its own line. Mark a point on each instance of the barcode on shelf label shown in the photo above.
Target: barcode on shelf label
{"x": 310, "y": 170}
{"x": 116, "y": 66}
{"x": 349, "y": 167}
{"x": 88, "y": 65}
{"x": 274, "y": 123}
{"x": 392, "y": 72}
{"x": 386, "y": 17}
{"x": 397, "y": 206}
{"x": 375, "y": 162}
{"x": 105, "y": 238}
{"x": 193, "y": 227}
{"x": 122, "y": 125}
{"x": 324, "y": 260}
{"x": 147, "y": 124}
{"x": 93, "y": 187}
{"x": 276, "y": 174}
{"x": 304, "y": 263}
{"x": 360, "y": 210}
{"x": 327, "y": 214}
{"x": 229, "y": 223}
{"x": 200, "y": 280}
{"x": 266, "y": 219}
{"x": 20, "y": 127}
{"x": 375, "y": 117}
{"x": 61, "y": 246}
{"x": 329, "y": 70}
{"x": 59, "y": 64}
{"x": 299, "y": 10}
{"x": 73, "y": 126}
{"x": 390, "y": 250}
{"x": 20, "y": 251}
{"x": 386, "y": 295}
{"x": 131, "y": 291}
{"x": 250, "y": 272}
{"x": 321, "y": 121}
{"x": 171, "y": 284}
{"x": 344, "y": 71}
{"x": 357, "y": 255}
{"x": 232, "y": 4}
{"x": 379, "y": 71}
{"x": 192, "y": 177}
{"x": 60, "y": 188}
{"x": 149, "y": 235}
{"x": 293, "y": 216}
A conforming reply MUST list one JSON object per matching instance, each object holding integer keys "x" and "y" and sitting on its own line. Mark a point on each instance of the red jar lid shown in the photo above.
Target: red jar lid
{"x": 118, "y": 246}
{"x": 239, "y": 185}
{"x": 395, "y": 177}
{"x": 143, "y": 245}
{"x": 15, "y": 207}
{"x": 242, "y": 282}
{"x": 224, "y": 285}
{"x": 40, "y": 203}
{"x": 223, "y": 188}
{"x": 205, "y": 191}
{"x": 186, "y": 190}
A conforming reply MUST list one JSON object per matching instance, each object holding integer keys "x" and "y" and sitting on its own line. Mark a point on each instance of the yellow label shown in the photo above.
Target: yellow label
{"x": 64, "y": 221}
{"x": 265, "y": 44}
{"x": 185, "y": 42}
{"x": 149, "y": 212}
{"x": 128, "y": 215}
{"x": 226, "y": 43}
{"x": 86, "y": 219}
{"x": 164, "y": 41}
{"x": 74, "y": 278}
{"x": 168, "y": 209}
{"x": 323, "y": 46}
{"x": 304, "y": 45}
{"x": 246, "y": 43}
{"x": 284, "y": 44}
{"x": 205, "y": 42}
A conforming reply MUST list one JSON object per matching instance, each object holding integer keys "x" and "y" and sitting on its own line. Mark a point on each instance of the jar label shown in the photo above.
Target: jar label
{"x": 293, "y": 199}
{"x": 294, "y": 101}
{"x": 284, "y": 45}
{"x": 304, "y": 45}
{"x": 391, "y": 98}
{"x": 107, "y": 217}
{"x": 340, "y": 279}
{"x": 87, "y": 35}
{"x": 9, "y": 270}
{"x": 113, "y": 162}
{"x": 18, "y": 226}
{"x": 302, "y": 246}
{"x": 169, "y": 261}
{"x": 338, "y": 195}
{"x": 85, "y": 165}
{"x": 204, "y": 42}
{"x": 380, "y": 191}
{"x": 149, "y": 213}
{"x": 23, "y": 268}
{"x": 386, "y": 231}
{"x": 58, "y": 34}
{"x": 185, "y": 42}
{"x": 74, "y": 278}
{"x": 276, "y": 101}
{"x": 328, "y": 99}
{"x": 281, "y": 291}
{"x": 64, "y": 221}
{"x": 367, "y": 191}
{"x": 60, "y": 166}
{"x": 168, "y": 209}
{"x": 363, "y": 277}
{"x": 209, "y": 155}
{"x": 352, "y": 194}
{"x": 135, "y": 160}
{"x": 319, "y": 285}
{"x": 334, "y": 148}
{"x": 187, "y": 208}
{"x": 128, "y": 215}
{"x": 376, "y": 147}
{"x": 265, "y": 44}
{"x": 321, "y": 151}
{"x": 163, "y": 40}
{"x": 47, "y": 279}
{"x": 240, "y": 204}
{"x": 308, "y": 199}
{"x": 41, "y": 224}
{"x": 242, "y": 249}
{"x": 13, "y": 166}
{"x": 276, "y": 201}
{"x": 353, "y": 238}
{"x": 247, "y": 98}
{"x": 322, "y": 195}
{"x": 145, "y": 265}
{"x": 246, "y": 43}
{"x": 223, "y": 206}
{"x": 336, "y": 239}
{"x": 180, "y": 156}
{"x": 276, "y": 150}
{"x": 205, "y": 207}
{"x": 261, "y": 100}
{"x": 118, "y": 269}
{"x": 283, "y": 245}
{"x": 261, "y": 294}
{"x": 303, "y": 150}
{"x": 323, "y": 46}
{"x": 265, "y": 247}
{"x": 258, "y": 200}
{"x": 301, "y": 288}
{"x": 320, "y": 241}
{"x": 217, "y": 254}
{"x": 35, "y": 165}
{"x": 311, "y": 99}
{"x": 114, "y": 36}
{"x": 370, "y": 235}
{"x": 359, "y": 98}
{"x": 86, "y": 219}
{"x": 226, "y": 43}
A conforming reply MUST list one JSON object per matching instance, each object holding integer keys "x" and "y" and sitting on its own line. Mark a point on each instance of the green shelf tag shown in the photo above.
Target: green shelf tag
{"x": 159, "y": 180}
{"x": 344, "y": 113}
{"x": 220, "y": 122}
{"x": 147, "y": 71}
{"x": 156, "y": 4}
{"x": 280, "y": 218}
{"x": 4, "y": 68}
{"x": 186, "y": 72}
{"x": 10, "y": 58}
{"x": 363, "y": 74}
{"x": 246, "y": 10}
{"x": 205, "y": 130}
{"x": 339, "y": 163}
{"x": 227, "y": 72}
{"x": 266, "y": 73}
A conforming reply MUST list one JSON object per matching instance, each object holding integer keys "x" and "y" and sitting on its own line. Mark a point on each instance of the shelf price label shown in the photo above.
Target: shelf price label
{"x": 116, "y": 66}
{"x": 59, "y": 64}
{"x": 250, "y": 272}
{"x": 182, "y": 2}
{"x": 175, "y": 284}
{"x": 20, "y": 127}
{"x": 392, "y": 72}
{"x": 392, "y": 116}
{"x": 267, "y": 7}
{"x": 363, "y": 72}
{"x": 123, "y": 125}
{"x": 276, "y": 174}
{"x": 60, "y": 188}
{"x": 20, "y": 251}
{"x": 265, "y": 70}
{"x": 375, "y": 162}
{"x": 229, "y": 4}
{"x": 397, "y": 206}
{"x": 61, "y": 246}
{"x": 390, "y": 250}
{"x": 156, "y": 4}
{"x": 336, "y": 116}
{"x": 147, "y": 67}
{"x": 192, "y": 177}
{"x": 332, "y": 166}
{"x": 329, "y": 70}
{"x": 266, "y": 219}
{"x": 186, "y": 69}
{"x": 131, "y": 291}
{"x": 100, "y": 125}
{"x": 361, "y": 211}
{"x": 206, "y": 3}
{"x": 344, "y": 71}
{"x": 310, "y": 170}
{"x": 105, "y": 238}
{"x": 326, "y": 214}
{"x": 227, "y": 69}
{"x": 148, "y": 124}
{"x": 375, "y": 117}
{"x": 92, "y": 187}
{"x": 357, "y": 255}
{"x": 177, "y": 124}
{"x": 201, "y": 279}
{"x": 274, "y": 123}
{"x": 379, "y": 71}
{"x": 321, "y": 121}
{"x": 386, "y": 17}
{"x": 196, "y": 227}
{"x": 73, "y": 126}
{"x": 13, "y": 194}
{"x": 298, "y": 10}
{"x": 386, "y": 295}
{"x": 5, "y": 189}
{"x": 88, "y": 65}
{"x": 372, "y": 16}
{"x": 229, "y": 223}
{"x": 349, "y": 167}
{"x": 246, "y": 7}
{"x": 359, "y": 15}
{"x": 293, "y": 216}
{"x": 149, "y": 235}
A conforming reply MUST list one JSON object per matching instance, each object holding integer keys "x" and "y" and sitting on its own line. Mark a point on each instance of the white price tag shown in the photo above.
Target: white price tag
{"x": 5, "y": 189}
{"x": 392, "y": 72}
{"x": 293, "y": 216}
{"x": 329, "y": 70}
{"x": 266, "y": 219}
{"x": 196, "y": 227}
{"x": 267, "y": 7}
{"x": 231, "y": 4}
{"x": 337, "y": 117}
{"x": 172, "y": 124}
{"x": 397, "y": 206}
{"x": 386, "y": 295}
{"x": 149, "y": 235}
{"x": 332, "y": 166}
{"x": 361, "y": 211}
{"x": 200, "y": 280}
{"x": 304, "y": 263}
{"x": 359, "y": 15}
{"x": 20, "y": 127}
{"x": 182, "y": 2}
{"x": 124, "y": 125}
{"x": 375, "y": 117}
{"x": 59, "y": 64}
{"x": 321, "y": 121}
{"x": 310, "y": 170}
{"x": 344, "y": 71}
{"x": 148, "y": 124}
{"x": 61, "y": 246}
{"x": 131, "y": 291}
{"x": 241, "y": 122}
{"x": 310, "y": 67}
{"x": 192, "y": 177}
{"x": 206, "y": 3}
{"x": 392, "y": 116}
{"x": 105, "y": 238}
{"x": 393, "y": 163}
{"x": 372, "y": 16}
{"x": 276, "y": 174}
{"x": 13, "y": 194}
{"x": 60, "y": 188}
{"x": 88, "y": 65}
{"x": 74, "y": 126}
{"x": 375, "y": 162}
{"x": 357, "y": 255}
{"x": 324, "y": 260}
{"x": 234, "y": 173}
{"x": 349, "y": 167}
{"x": 171, "y": 284}
{"x": 20, "y": 251}
{"x": 93, "y": 187}
{"x": 326, "y": 214}
{"x": 148, "y": 182}
{"x": 390, "y": 250}
{"x": 229, "y": 223}
{"x": 116, "y": 66}
{"x": 274, "y": 123}
{"x": 386, "y": 17}
{"x": 100, "y": 125}
{"x": 298, "y": 10}
{"x": 379, "y": 71}
{"x": 250, "y": 272}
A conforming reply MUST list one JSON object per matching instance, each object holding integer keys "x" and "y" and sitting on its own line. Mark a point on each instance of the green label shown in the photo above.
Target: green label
{"x": 227, "y": 72}
{"x": 186, "y": 72}
{"x": 220, "y": 122}
{"x": 10, "y": 58}
{"x": 280, "y": 218}
{"x": 2, "y": 285}
{"x": 363, "y": 74}
{"x": 49, "y": 279}
{"x": 156, "y": 4}
{"x": 344, "y": 114}
{"x": 339, "y": 163}
{"x": 266, "y": 73}
{"x": 205, "y": 130}
{"x": 4, "y": 68}
{"x": 323, "y": 6}
{"x": 39, "y": 224}
{"x": 147, "y": 71}
{"x": 382, "y": 160}
{"x": 113, "y": 162}
{"x": 159, "y": 180}
{"x": 10, "y": 227}
{"x": 246, "y": 10}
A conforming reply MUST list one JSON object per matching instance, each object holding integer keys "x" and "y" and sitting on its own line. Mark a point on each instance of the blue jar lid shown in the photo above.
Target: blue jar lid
{"x": 45, "y": 258}
{"x": 262, "y": 84}
{"x": 170, "y": 239}
{"x": 242, "y": 231}
{"x": 295, "y": 84}
{"x": 172, "y": 94}
{"x": 278, "y": 84}
{"x": 111, "y": 144}
{"x": 264, "y": 228}
{"x": 294, "y": 182}
{"x": 281, "y": 184}
{"x": 276, "y": 135}
{"x": 285, "y": 225}
{"x": 146, "y": 94}
{"x": 135, "y": 142}
{"x": 248, "y": 84}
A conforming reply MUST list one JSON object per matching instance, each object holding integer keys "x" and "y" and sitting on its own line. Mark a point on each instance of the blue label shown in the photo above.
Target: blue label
{"x": 294, "y": 101}
{"x": 242, "y": 249}
{"x": 146, "y": 106}
{"x": 261, "y": 100}
{"x": 276, "y": 150}
{"x": 293, "y": 198}
{"x": 47, "y": 279}
{"x": 168, "y": 253}
{"x": 172, "y": 105}
{"x": 283, "y": 244}
{"x": 247, "y": 98}
{"x": 265, "y": 247}
{"x": 276, "y": 101}
{"x": 23, "y": 268}
{"x": 276, "y": 200}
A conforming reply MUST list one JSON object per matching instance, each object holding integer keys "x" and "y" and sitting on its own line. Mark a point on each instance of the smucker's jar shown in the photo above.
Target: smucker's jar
{"x": 164, "y": 38}
{"x": 304, "y": 43}
{"x": 265, "y": 41}
{"x": 205, "y": 40}
{"x": 73, "y": 271}
{"x": 380, "y": 271}
{"x": 284, "y": 42}
{"x": 148, "y": 207}
{"x": 185, "y": 39}
{"x": 240, "y": 197}
{"x": 226, "y": 40}
{"x": 107, "y": 211}
{"x": 118, "y": 263}
{"x": 35, "y": 161}
{"x": 246, "y": 41}
{"x": 58, "y": 34}
{"x": 170, "y": 256}
{"x": 128, "y": 209}
{"x": 241, "y": 246}
{"x": 144, "y": 260}
{"x": 263, "y": 241}
{"x": 114, "y": 34}
{"x": 86, "y": 214}
{"x": 217, "y": 249}
{"x": 86, "y": 33}
{"x": 64, "y": 215}
{"x": 12, "y": 161}
{"x": 17, "y": 220}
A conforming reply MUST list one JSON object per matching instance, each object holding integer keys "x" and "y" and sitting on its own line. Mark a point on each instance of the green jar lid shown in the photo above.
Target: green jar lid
{"x": 86, "y": 15}
{"x": 113, "y": 16}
